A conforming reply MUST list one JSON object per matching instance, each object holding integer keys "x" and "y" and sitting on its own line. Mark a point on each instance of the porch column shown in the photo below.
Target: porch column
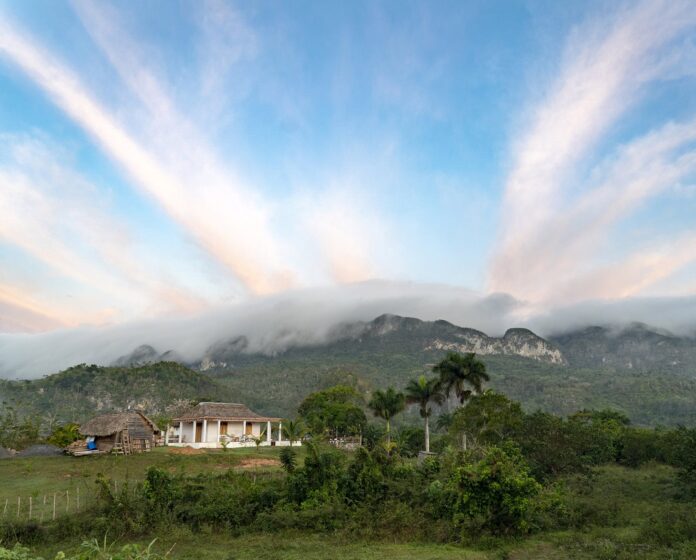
{"x": 205, "y": 430}
{"x": 280, "y": 432}
{"x": 194, "y": 424}
{"x": 243, "y": 428}
{"x": 181, "y": 432}
{"x": 268, "y": 432}
{"x": 218, "y": 433}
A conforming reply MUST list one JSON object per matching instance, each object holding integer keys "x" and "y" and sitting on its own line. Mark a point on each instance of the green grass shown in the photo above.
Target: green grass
{"x": 38, "y": 476}
{"x": 611, "y": 510}
{"x": 268, "y": 546}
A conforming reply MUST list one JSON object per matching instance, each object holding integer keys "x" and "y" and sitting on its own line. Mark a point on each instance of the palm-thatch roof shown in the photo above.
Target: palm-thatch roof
{"x": 228, "y": 412}
{"x": 108, "y": 424}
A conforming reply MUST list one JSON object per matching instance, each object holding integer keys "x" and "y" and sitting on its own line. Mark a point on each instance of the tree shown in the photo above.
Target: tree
{"x": 488, "y": 418}
{"x": 293, "y": 430}
{"x": 335, "y": 411}
{"x": 386, "y": 405}
{"x": 258, "y": 440}
{"x": 423, "y": 392}
{"x": 458, "y": 372}
{"x": 62, "y": 436}
{"x": 495, "y": 493}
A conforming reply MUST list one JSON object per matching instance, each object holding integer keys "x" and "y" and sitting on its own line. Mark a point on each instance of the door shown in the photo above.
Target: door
{"x": 223, "y": 429}
{"x": 248, "y": 428}
{"x": 199, "y": 432}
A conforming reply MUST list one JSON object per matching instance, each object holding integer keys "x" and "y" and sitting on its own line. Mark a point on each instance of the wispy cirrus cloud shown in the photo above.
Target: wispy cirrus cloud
{"x": 20, "y": 312}
{"x": 61, "y": 219}
{"x": 554, "y": 221}
{"x": 228, "y": 220}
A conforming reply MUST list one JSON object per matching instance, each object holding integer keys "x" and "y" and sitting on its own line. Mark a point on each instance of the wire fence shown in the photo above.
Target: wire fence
{"x": 50, "y": 506}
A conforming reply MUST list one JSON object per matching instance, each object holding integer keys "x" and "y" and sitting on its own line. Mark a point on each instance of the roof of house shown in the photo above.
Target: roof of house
{"x": 108, "y": 424}
{"x": 222, "y": 411}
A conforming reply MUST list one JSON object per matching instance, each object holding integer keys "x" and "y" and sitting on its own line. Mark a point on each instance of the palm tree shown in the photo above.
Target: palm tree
{"x": 258, "y": 440}
{"x": 457, "y": 372}
{"x": 386, "y": 405}
{"x": 423, "y": 391}
{"x": 293, "y": 430}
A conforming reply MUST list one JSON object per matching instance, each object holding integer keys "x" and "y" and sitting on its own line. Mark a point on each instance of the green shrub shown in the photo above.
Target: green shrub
{"x": 493, "y": 494}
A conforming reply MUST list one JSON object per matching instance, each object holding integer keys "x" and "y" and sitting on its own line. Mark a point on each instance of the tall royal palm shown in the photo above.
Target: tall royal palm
{"x": 423, "y": 392}
{"x": 461, "y": 374}
{"x": 387, "y": 404}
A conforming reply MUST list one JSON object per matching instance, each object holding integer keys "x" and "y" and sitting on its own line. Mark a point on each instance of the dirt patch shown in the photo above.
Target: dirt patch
{"x": 252, "y": 462}
{"x": 185, "y": 451}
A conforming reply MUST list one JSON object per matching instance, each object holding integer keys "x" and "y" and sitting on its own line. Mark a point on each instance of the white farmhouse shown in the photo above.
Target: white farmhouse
{"x": 215, "y": 425}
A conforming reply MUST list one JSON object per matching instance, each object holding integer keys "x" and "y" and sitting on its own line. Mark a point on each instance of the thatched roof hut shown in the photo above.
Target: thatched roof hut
{"x": 121, "y": 432}
{"x": 229, "y": 412}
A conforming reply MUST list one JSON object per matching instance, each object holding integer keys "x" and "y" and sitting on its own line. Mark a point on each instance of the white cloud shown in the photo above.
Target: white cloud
{"x": 305, "y": 317}
{"x": 228, "y": 220}
{"x": 549, "y": 234}
{"x": 59, "y": 218}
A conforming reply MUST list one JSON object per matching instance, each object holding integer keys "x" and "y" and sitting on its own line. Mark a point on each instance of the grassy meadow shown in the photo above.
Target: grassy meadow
{"x": 616, "y": 513}
{"x": 36, "y": 476}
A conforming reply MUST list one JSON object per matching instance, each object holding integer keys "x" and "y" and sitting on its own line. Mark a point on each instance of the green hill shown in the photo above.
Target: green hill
{"x": 646, "y": 374}
{"x": 85, "y": 390}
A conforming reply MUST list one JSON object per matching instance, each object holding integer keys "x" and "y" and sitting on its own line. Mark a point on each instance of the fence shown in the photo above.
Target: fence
{"x": 44, "y": 507}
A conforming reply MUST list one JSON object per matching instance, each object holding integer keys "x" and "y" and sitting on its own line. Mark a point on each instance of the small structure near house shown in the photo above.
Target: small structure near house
{"x": 216, "y": 425}
{"x": 119, "y": 432}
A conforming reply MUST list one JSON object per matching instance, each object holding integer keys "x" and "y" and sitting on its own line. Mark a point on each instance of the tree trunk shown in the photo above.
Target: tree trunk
{"x": 427, "y": 435}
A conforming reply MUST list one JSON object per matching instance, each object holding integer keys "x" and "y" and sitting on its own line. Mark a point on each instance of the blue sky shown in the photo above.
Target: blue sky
{"x": 162, "y": 158}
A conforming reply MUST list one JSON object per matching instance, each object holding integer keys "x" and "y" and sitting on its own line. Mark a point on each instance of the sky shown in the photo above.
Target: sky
{"x": 168, "y": 159}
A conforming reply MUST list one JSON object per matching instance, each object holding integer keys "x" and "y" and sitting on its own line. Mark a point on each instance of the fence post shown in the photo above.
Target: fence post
{"x": 78, "y": 498}
{"x": 30, "y": 504}
{"x": 54, "y": 505}
{"x": 43, "y": 508}
{"x": 19, "y": 505}
{"x": 67, "y": 501}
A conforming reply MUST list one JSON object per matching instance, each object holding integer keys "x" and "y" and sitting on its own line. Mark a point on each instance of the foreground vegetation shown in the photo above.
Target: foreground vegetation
{"x": 500, "y": 483}
{"x": 615, "y": 512}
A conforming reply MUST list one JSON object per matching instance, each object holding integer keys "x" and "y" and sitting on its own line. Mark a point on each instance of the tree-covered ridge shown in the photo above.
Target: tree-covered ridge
{"x": 82, "y": 391}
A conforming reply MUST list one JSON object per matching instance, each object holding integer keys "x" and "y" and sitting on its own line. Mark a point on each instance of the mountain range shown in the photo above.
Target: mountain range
{"x": 648, "y": 373}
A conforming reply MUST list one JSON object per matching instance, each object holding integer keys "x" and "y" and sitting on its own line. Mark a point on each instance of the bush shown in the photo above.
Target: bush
{"x": 671, "y": 525}
{"x": 494, "y": 493}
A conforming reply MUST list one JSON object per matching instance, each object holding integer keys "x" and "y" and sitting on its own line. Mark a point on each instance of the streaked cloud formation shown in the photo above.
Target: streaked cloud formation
{"x": 562, "y": 199}
{"x": 159, "y": 162}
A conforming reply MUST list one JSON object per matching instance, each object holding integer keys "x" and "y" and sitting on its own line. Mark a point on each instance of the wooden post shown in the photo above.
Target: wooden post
{"x": 43, "y": 508}
{"x": 19, "y": 505}
{"x": 54, "y": 505}
{"x": 30, "y": 507}
{"x": 67, "y": 501}
{"x": 115, "y": 487}
{"x": 78, "y": 498}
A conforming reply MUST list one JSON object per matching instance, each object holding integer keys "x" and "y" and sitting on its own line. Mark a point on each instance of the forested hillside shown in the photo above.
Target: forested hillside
{"x": 83, "y": 390}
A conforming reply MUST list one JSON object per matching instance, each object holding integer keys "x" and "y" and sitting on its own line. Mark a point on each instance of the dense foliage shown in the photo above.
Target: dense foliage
{"x": 336, "y": 411}
{"x": 498, "y": 471}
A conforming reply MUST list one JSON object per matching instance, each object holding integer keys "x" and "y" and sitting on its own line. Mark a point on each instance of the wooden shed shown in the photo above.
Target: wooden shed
{"x": 121, "y": 432}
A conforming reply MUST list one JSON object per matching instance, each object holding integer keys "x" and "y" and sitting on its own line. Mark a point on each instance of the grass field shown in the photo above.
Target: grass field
{"x": 622, "y": 514}
{"x": 40, "y": 478}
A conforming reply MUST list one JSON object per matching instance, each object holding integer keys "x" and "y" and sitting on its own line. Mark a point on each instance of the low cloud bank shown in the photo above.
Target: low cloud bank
{"x": 309, "y": 316}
